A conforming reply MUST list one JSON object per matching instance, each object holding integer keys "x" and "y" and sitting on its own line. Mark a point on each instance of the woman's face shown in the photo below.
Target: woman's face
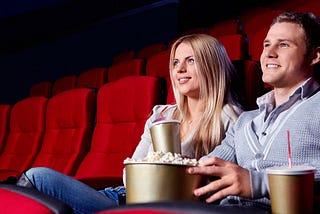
{"x": 184, "y": 71}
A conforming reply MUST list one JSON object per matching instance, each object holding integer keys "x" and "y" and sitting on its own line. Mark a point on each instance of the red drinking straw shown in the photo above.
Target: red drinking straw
{"x": 289, "y": 150}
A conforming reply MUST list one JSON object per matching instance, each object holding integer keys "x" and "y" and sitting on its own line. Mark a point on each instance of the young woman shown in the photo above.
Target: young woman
{"x": 201, "y": 74}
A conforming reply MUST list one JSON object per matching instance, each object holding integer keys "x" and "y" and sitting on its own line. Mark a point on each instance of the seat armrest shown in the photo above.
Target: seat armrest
{"x": 17, "y": 199}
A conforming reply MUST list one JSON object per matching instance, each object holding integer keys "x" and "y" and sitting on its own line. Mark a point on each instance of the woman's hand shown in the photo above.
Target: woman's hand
{"x": 232, "y": 179}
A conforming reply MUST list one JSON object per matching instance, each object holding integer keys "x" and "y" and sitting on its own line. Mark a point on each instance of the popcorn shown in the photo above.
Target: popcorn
{"x": 164, "y": 157}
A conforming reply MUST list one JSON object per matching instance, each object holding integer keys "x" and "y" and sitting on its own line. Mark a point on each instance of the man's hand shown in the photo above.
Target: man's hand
{"x": 232, "y": 179}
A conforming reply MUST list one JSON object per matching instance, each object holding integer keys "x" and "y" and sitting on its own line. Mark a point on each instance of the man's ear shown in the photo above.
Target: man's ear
{"x": 315, "y": 56}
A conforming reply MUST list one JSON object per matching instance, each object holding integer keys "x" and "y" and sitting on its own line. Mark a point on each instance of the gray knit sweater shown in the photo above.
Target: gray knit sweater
{"x": 258, "y": 139}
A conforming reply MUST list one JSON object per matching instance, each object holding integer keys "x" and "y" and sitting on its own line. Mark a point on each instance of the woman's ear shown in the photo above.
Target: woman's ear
{"x": 315, "y": 56}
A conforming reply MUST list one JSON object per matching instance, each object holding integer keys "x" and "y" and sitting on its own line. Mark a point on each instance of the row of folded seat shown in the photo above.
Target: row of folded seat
{"x": 156, "y": 64}
{"x": 241, "y": 35}
{"x": 79, "y": 132}
{"x": 97, "y": 76}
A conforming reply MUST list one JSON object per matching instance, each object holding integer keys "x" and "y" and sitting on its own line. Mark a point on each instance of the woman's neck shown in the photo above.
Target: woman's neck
{"x": 195, "y": 110}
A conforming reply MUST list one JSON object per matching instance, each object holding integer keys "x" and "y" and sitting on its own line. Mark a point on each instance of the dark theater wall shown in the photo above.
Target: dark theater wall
{"x": 62, "y": 37}
{"x": 86, "y": 47}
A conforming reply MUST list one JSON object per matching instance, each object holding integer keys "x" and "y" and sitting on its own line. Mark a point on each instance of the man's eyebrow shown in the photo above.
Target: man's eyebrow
{"x": 278, "y": 40}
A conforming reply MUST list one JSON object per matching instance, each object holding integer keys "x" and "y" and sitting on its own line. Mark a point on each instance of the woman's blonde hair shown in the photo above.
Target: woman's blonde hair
{"x": 214, "y": 70}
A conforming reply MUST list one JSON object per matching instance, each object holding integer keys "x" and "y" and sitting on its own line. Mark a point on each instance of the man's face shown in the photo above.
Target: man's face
{"x": 283, "y": 60}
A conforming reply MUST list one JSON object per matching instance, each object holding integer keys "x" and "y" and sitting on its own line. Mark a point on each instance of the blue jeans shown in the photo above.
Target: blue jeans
{"x": 81, "y": 197}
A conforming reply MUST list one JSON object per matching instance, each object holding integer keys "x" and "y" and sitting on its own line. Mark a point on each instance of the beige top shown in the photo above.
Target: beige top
{"x": 145, "y": 144}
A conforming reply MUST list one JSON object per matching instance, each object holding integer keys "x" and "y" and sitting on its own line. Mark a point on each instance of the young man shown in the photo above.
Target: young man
{"x": 258, "y": 139}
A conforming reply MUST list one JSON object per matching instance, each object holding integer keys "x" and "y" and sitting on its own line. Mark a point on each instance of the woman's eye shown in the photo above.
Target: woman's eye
{"x": 191, "y": 61}
{"x": 175, "y": 63}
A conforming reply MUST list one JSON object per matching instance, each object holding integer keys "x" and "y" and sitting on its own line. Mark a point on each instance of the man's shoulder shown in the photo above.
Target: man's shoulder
{"x": 246, "y": 116}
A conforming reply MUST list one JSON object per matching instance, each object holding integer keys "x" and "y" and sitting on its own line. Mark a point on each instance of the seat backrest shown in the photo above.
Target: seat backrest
{"x": 131, "y": 67}
{"x": 226, "y": 27}
{"x": 27, "y": 124}
{"x": 309, "y": 6}
{"x": 150, "y": 50}
{"x": 123, "y": 56}
{"x": 92, "y": 78}
{"x": 170, "y": 95}
{"x": 69, "y": 126}
{"x": 235, "y": 45}
{"x": 253, "y": 83}
{"x": 64, "y": 83}
{"x": 123, "y": 107}
{"x": 4, "y": 124}
{"x": 158, "y": 66}
{"x": 42, "y": 88}
{"x": 257, "y": 43}
{"x": 257, "y": 21}
{"x": 247, "y": 16}
{"x": 289, "y": 5}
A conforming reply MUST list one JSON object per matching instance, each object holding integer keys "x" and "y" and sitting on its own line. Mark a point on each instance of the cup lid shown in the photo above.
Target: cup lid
{"x": 165, "y": 121}
{"x": 294, "y": 170}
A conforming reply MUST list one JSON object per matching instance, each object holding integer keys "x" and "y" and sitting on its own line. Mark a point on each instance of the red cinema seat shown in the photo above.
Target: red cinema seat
{"x": 257, "y": 43}
{"x": 235, "y": 45}
{"x": 226, "y": 27}
{"x": 123, "y": 107}
{"x": 158, "y": 66}
{"x": 289, "y": 5}
{"x": 123, "y": 56}
{"x": 132, "y": 67}
{"x": 170, "y": 96}
{"x": 92, "y": 78}
{"x": 42, "y": 88}
{"x": 69, "y": 126}
{"x": 257, "y": 48}
{"x": 4, "y": 124}
{"x": 260, "y": 18}
{"x": 253, "y": 83}
{"x": 64, "y": 83}
{"x": 26, "y": 128}
{"x": 309, "y": 6}
{"x": 150, "y": 50}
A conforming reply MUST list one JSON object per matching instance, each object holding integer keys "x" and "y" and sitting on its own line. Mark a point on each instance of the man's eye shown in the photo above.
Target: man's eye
{"x": 283, "y": 45}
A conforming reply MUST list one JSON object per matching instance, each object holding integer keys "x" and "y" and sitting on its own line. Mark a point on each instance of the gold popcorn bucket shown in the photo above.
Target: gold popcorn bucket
{"x": 155, "y": 182}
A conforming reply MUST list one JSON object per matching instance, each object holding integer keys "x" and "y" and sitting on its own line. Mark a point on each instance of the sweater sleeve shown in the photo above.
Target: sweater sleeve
{"x": 226, "y": 149}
